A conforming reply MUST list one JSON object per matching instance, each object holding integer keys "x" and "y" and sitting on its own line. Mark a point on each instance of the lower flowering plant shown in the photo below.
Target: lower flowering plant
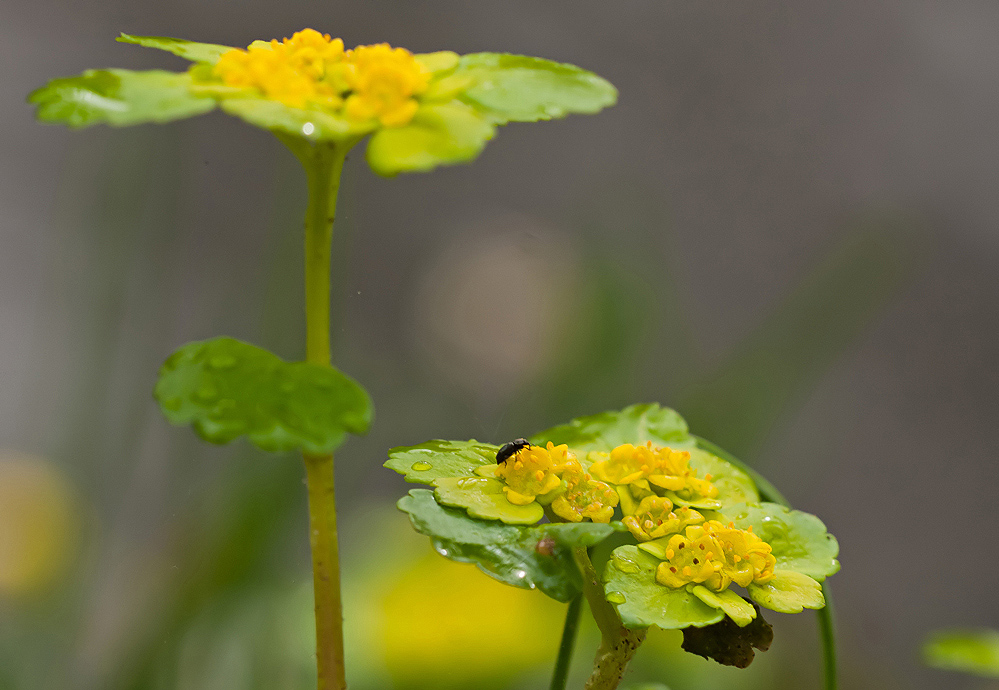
{"x": 629, "y": 510}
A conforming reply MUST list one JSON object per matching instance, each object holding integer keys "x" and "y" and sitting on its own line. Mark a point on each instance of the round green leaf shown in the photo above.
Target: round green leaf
{"x": 788, "y": 592}
{"x": 439, "y": 134}
{"x": 308, "y": 123}
{"x": 971, "y": 651}
{"x": 526, "y": 89}
{"x": 189, "y": 50}
{"x": 118, "y": 97}
{"x": 226, "y": 388}
{"x": 484, "y": 498}
{"x": 734, "y": 485}
{"x": 799, "y": 540}
{"x": 635, "y": 424}
{"x": 630, "y": 584}
{"x": 527, "y": 557}
{"x": 433, "y": 460}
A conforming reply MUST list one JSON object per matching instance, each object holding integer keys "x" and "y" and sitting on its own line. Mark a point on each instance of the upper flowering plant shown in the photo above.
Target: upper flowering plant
{"x": 421, "y": 110}
{"x": 694, "y": 537}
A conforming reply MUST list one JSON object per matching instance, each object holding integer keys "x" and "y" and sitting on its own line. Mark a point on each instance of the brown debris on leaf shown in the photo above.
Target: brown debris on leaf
{"x": 727, "y": 643}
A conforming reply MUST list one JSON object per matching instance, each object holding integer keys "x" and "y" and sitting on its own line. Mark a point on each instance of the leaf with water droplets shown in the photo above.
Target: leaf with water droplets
{"x": 631, "y": 575}
{"x": 441, "y": 459}
{"x": 527, "y": 557}
{"x": 226, "y": 388}
{"x": 518, "y": 88}
{"x": 635, "y": 424}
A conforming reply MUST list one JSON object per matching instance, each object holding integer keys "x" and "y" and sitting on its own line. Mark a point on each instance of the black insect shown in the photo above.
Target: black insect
{"x": 508, "y": 450}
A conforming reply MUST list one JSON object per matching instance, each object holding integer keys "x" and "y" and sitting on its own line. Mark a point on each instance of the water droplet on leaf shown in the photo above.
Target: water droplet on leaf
{"x": 615, "y": 597}
{"x": 422, "y": 466}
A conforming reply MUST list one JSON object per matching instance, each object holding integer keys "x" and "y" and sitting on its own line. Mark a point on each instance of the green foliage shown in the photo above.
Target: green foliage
{"x": 438, "y": 135}
{"x": 634, "y": 424}
{"x": 118, "y": 97}
{"x": 971, "y": 651}
{"x": 527, "y": 557}
{"x": 800, "y": 541}
{"x": 433, "y": 460}
{"x": 734, "y": 485}
{"x": 189, "y": 50}
{"x": 226, "y": 388}
{"x": 630, "y": 584}
{"x": 517, "y": 88}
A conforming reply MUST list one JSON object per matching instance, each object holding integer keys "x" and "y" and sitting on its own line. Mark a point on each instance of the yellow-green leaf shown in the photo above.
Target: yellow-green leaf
{"x": 189, "y": 50}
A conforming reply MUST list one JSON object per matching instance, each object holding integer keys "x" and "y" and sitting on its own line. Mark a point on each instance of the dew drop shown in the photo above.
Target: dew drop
{"x": 422, "y": 466}
{"x": 308, "y": 129}
{"x": 615, "y": 597}
{"x": 625, "y": 565}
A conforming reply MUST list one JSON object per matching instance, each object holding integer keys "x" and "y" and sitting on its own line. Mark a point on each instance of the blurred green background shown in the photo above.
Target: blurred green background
{"x": 785, "y": 230}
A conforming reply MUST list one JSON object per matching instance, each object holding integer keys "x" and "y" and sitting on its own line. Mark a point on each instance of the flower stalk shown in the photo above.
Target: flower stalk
{"x": 617, "y": 643}
{"x": 323, "y": 163}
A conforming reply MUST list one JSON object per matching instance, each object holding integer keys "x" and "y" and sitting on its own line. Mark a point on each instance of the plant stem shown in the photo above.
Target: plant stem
{"x": 825, "y": 615}
{"x": 568, "y": 643}
{"x": 618, "y": 643}
{"x": 827, "y": 626}
{"x": 323, "y": 163}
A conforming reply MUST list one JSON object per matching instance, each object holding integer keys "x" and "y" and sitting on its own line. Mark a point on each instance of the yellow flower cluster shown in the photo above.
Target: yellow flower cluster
{"x": 655, "y": 519}
{"x": 716, "y": 556}
{"x": 535, "y": 471}
{"x": 369, "y": 83}
{"x": 662, "y": 466}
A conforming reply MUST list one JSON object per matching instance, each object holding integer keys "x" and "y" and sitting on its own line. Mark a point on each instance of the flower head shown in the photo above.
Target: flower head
{"x": 584, "y": 497}
{"x": 533, "y": 471}
{"x": 660, "y": 466}
{"x": 716, "y": 556}
{"x": 655, "y": 519}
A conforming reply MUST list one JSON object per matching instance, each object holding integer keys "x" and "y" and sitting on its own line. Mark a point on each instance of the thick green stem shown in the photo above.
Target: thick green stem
{"x": 618, "y": 643}
{"x": 323, "y": 163}
{"x": 825, "y": 615}
{"x": 568, "y": 644}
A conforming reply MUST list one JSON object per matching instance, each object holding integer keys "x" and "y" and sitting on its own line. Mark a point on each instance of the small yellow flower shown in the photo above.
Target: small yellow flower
{"x": 532, "y": 472}
{"x": 655, "y": 519}
{"x": 716, "y": 556}
{"x": 662, "y": 466}
{"x": 584, "y": 497}
{"x": 384, "y": 81}
{"x": 374, "y": 83}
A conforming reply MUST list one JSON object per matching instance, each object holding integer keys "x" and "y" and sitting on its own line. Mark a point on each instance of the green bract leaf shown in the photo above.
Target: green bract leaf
{"x": 189, "y": 50}
{"x": 427, "y": 462}
{"x": 526, "y": 557}
{"x": 526, "y": 89}
{"x": 484, "y": 498}
{"x": 226, "y": 388}
{"x": 118, "y": 97}
{"x": 308, "y": 123}
{"x": 971, "y": 651}
{"x": 788, "y": 592}
{"x": 734, "y": 485}
{"x": 799, "y": 540}
{"x": 630, "y": 584}
{"x": 635, "y": 424}
{"x": 438, "y": 135}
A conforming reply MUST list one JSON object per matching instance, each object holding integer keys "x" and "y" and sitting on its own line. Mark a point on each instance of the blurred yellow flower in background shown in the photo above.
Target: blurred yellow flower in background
{"x": 37, "y": 523}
